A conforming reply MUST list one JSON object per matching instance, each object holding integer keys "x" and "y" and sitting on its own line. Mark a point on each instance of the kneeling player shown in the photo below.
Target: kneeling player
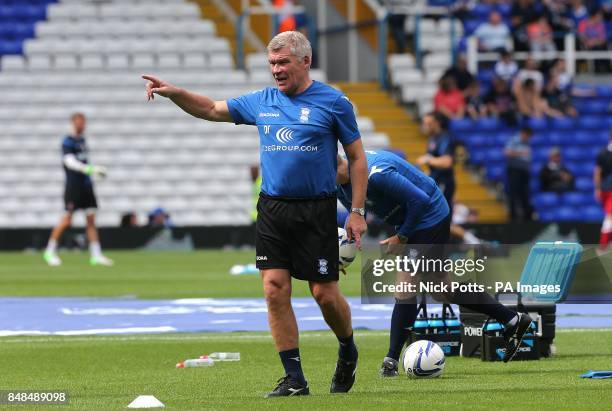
{"x": 405, "y": 197}
{"x": 78, "y": 194}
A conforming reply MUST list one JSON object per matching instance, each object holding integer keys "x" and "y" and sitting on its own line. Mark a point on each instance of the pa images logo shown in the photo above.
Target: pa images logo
{"x": 322, "y": 266}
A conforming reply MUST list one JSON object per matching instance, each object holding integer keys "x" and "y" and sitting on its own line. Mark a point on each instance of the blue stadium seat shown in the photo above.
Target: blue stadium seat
{"x": 591, "y": 122}
{"x": 11, "y": 47}
{"x": 592, "y": 214}
{"x": 576, "y": 154}
{"x": 537, "y": 124}
{"x": 603, "y": 137}
{"x": 487, "y": 124}
{"x": 470, "y": 26}
{"x": 545, "y": 200}
{"x": 546, "y": 215}
{"x": 577, "y": 199}
{"x": 502, "y": 138}
{"x": 581, "y": 168}
{"x": 540, "y": 154}
{"x": 540, "y": 139}
{"x": 604, "y": 91}
{"x": 567, "y": 213}
{"x": 494, "y": 156}
{"x": 596, "y": 106}
{"x": 563, "y": 123}
{"x": 585, "y": 138}
{"x": 585, "y": 184}
{"x": 477, "y": 157}
{"x": 496, "y": 172}
{"x": 462, "y": 124}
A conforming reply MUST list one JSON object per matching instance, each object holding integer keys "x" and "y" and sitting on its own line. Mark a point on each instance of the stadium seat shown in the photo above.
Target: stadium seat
{"x": 545, "y": 200}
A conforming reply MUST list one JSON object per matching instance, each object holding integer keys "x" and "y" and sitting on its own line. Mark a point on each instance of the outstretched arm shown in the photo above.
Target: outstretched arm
{"x": 195, "y": 104}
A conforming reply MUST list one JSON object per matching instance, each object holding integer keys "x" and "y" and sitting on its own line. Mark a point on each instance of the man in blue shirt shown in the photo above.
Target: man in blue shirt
{"x": 404, "y": 197}
{"x": 78, "y": 194}
{"x": 300, "y": 123}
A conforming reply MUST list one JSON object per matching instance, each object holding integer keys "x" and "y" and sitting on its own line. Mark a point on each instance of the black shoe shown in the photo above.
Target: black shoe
{"x": 344, "y": 376}
{"x": 514, "y": 335}
{"x": 389, "y": 368}
{"x": 289, "y": 387}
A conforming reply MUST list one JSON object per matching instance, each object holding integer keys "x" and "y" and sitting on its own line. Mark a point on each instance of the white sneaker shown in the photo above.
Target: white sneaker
{"x": 52, "y": 259}
{"x": 101, "y": 260}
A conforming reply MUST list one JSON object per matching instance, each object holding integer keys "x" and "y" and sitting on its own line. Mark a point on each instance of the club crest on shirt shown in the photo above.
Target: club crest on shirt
{"x": 322, "y": 266}
{"x": 305, "y": 112}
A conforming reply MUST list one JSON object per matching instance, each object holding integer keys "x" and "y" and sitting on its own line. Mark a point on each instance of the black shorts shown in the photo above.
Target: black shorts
{"x": 298, "y": 235}
{"x": 432, "y": 242}
{"x": 79, "y": 198}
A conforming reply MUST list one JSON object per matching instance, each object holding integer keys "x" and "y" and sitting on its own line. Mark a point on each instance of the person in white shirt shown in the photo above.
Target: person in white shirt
{"x": 506, "y": 68}
{"x": 493, "y": 34}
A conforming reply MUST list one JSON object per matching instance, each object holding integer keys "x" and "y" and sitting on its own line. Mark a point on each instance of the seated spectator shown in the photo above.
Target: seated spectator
{"x": 529, "y": 71}
{"x": 128, "y": 220}
{"x": 460, "y": 73}
{"x": 494, "y": 34}
{"x": 593, "y": 36}
{"x": 449, "y": 99}
{"x": 556, "y": 12}
{"x": 540, "y": 36}
{"x": 159, "y": 218}
{"x": 474, "y": 104}
{"x": 500, "y": 101}
{"x": 564, "y": 79}
{"x": 554, "y": 176}
{"x": 506, "y": 68}
{"x": 557, "y": 98}
{"x": 577, "y": 12}
{"x": 531, "y": 104}
{"x": 518, "y": 154}
{"x": 522, "y": 13}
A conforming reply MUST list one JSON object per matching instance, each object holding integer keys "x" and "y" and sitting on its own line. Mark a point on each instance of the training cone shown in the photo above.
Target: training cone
{"x": 146, "y": 401}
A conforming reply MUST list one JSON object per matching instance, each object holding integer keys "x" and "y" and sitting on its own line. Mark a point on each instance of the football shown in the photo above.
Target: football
{"x": 423, "y": 359}
{"x": 347, "y": 249}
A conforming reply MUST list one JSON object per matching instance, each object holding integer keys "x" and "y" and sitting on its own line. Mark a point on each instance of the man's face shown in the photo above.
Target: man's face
{"x": 495, "y": 18}
{"x": 430, "y": 126}
{"x": 289, "y": 72}
{"x": 78, "y": 123}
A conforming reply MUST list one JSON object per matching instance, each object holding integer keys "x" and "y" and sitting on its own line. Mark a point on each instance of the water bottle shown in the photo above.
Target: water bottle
{"x": 420, "y": 326}
{"x": 436, "y": 325}
{"x": 493, "y": 328}
{"x": 223, "y": 356}
{"x": 196, "y": 362}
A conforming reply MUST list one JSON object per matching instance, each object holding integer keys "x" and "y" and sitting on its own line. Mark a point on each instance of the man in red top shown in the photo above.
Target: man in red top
{"x": 449, "y": 99}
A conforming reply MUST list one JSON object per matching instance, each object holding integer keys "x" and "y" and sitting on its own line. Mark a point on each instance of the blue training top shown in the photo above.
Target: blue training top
{"x": 399, "y": 193}
{"x": 298, "y": 137}
{"x": 78, "y": 147}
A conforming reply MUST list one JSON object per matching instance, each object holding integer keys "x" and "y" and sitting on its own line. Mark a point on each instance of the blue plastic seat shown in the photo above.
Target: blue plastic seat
{"x": 567, "y": 213}
{"x": 576, "y": 154}
{"x": 584, "y": 184}
{"x": 537, "y": 124}
{"x": 487, "y": 124}
{"x": 546, "y": 215}
{"x": 462, "y": 124}
{"x": 496, "y": 172}
{"x": 577, "y": 199}
{"x": 591, "y": 122}
{"x": 477, "y": 157}
{"x": 563, "y": 123}
{"x": 592, "y": 214}
{"x": 545, "y": 200}
{"x": 11, "y": 47}
{"x": 540, "y": 154}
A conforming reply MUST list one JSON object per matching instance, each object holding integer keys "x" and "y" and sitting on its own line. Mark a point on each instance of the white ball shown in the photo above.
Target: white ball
{"x": 347, "y": 249}
{"x": 423, "y": 359}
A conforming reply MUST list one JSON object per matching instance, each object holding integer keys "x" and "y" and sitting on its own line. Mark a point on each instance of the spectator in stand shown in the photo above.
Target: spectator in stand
{"x": 449, "y": 99}
{"x": 494, "y": 34}
{"x": 577, "y": 12}
{"x": 564, "y": 79}
{"x": 554, "y": 176}
{"x": 531, "y": 104}
{"x": 522, "y": 13}
{"x": 461, "y": 74}
{"x": 593, "y": 36}
{"x": 529, "y": 71}
{"x": 540, "y": 35}
{"x": 474, "y": 103}
{"x": 129, "y": 220}
{"x": 556, "y": 12}
{"x": 518, "y": 153}
{"x": 506, "y": 68}
{"x": 500, "y": 101}
{"x": 159, "y": 218}
{"x": 557, "y": 98}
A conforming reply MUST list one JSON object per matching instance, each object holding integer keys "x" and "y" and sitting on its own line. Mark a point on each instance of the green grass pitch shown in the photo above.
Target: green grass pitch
{"x": 108, "y": 372}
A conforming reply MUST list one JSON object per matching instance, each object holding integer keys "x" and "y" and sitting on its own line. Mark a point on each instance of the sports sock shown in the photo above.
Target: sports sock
{"x": 402, "y": 319}
{"x": 51, "y": 246}
{"x": 470, "y": 238}
{"x": 347, "y": 351}
{"x": 512, "y": 322}
{"x": 292, "y": 363}
{"x": 606, "y": 230}
{"x": 484, "y": 303}
{"x": 94, "y": 249}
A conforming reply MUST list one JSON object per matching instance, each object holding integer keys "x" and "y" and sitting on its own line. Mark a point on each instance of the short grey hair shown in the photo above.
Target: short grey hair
{"x": 297, "y": 42}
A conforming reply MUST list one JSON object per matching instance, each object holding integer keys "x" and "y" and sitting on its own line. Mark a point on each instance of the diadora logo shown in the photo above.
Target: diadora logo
{"x": 284, "y": 135}
{"x": 269, "y": 115}
{"x": 262, "y": 258}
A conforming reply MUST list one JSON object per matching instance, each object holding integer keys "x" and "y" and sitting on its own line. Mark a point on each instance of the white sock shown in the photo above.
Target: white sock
{"x": 470, "y": 238}
{"x": 512, "y": 322}
{"x": 95, "y": 249}
{"x": 51, "y": 246}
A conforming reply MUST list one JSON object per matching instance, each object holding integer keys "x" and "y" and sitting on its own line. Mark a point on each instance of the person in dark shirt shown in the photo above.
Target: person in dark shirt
{"x": 554, "y": 176}
{"x": 518, "y": 153}
{"x": 78, "y": 194}
{"x": 474, "y": 103}
{"x": 459, "y": 72}
{"x": 501, "y": 102}
{"x": 522, "y": 13}
{"x": 602, "y": 180}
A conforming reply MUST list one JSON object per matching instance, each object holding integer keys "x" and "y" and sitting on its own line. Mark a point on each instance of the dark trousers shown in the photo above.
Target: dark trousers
{"x": 518, "y": 194}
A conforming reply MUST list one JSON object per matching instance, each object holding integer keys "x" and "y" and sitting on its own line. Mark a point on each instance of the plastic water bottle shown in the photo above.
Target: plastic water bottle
{"x": 436, "y": 325}
{"x": 420, "y": 326}
{"x": 196, "y": 362}
{"x": 223, "y": 356}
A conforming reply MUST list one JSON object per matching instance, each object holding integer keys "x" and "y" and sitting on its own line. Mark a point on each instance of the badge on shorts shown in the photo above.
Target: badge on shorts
{"x": 304, "y": 115}
{"x": 322, "y": 266}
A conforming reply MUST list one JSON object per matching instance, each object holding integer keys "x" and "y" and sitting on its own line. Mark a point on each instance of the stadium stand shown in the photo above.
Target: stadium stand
{"x": 88, "y": 57}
